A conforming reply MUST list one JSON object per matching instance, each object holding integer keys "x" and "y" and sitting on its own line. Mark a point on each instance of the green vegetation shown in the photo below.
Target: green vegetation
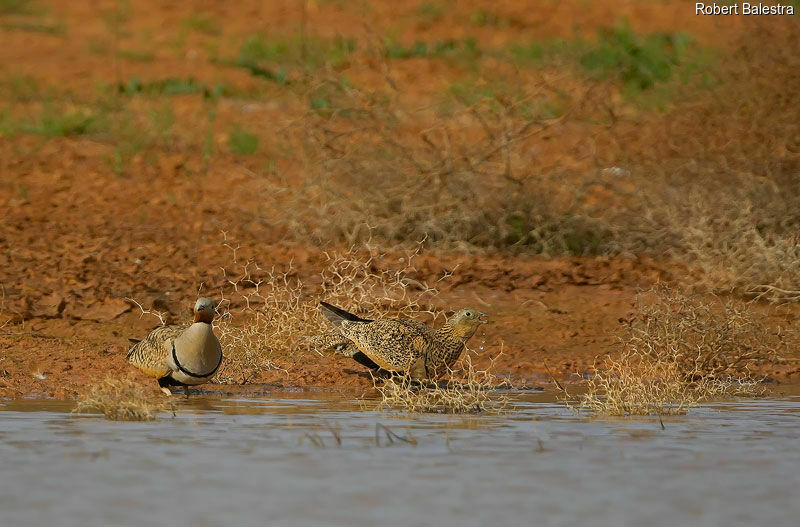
{"x": 33, "y": 26}
{"x": 640, "y": 62}
{"x": 242, "y": 142}
{"x": 274, "y": 58}
{"x": 54, "y": 123}
{"x": 168, "y": 87}
{"x": 98, "y": 46}
{"x": 162, "y": 121}
{"x": 202, "y": 23}
{"x": 525, "y": 147}
{"x": 51, "y": 121}
{"x": 464, "y": 49}
{"x": 430, "y": 12}
{"x": 118, "y": 16}
{"x": 17, "y": 7}
{"x": 484, "y": 18}
{"x": 21, "y": 88}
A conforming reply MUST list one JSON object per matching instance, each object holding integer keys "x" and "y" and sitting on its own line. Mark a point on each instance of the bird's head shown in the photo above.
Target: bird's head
{"x": 204, "y": 310}
{"x": 465, "y": 322}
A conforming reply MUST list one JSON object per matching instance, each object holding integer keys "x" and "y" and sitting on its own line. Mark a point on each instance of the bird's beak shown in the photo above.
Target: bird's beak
{"x": 482, "y": 318}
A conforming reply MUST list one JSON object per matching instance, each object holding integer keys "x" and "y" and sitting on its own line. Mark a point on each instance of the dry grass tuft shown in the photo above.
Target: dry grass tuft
{"x": 736, "y": 233}
{"x": 266, "y": 315}
{"x": 356, "y": 281}
{"x": 636, "y": 384}
{"x": 122, "y": 400}
{"x": 262, "y": 313}
{"x": 465, "y": 391}
{"x": 553, "y": 165}
{"x": 471, "y": 178}
{"x": 702, "y": 339}
{"x": 677, "y": 353}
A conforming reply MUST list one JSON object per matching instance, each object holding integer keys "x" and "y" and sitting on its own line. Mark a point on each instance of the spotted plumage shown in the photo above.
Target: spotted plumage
{"x": 400, "y": 345}
{"x": 180, "y": 355}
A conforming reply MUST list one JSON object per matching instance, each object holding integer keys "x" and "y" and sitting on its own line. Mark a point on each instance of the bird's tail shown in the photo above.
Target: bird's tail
{"x": 337, "y": 315}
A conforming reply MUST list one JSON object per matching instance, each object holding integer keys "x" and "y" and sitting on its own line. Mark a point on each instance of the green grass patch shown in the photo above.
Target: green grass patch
{"x": 466, "y": 48}
{"x": 140, "y": 131}
{"x": 108, "y": 118}
{"x": 168, "y": 87}
{"x": 485, "y": 18}
{"x": 51, "y": 121}
{"x": 641, "y": 62}
{"x": 54, "y": 123}
{"x": 203, "y": 23}
{"x": 97, "y": 46}
{"x": 430, "y": 12}
{"x": 274, "y": 58}
{"x": 241, "y": 142}
{"x": 26, "y": 15}
{"x": 21, "y": 88}
{"x": 17, "y": 7}
{"x": 31, "y": 26}
{"x": 162, "y": 120}
{"x": 117, "y": 17}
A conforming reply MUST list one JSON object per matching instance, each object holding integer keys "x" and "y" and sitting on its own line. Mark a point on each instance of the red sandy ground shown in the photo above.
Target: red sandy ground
{"x": 81, "y": 239}
{"x": 549, "y": 315}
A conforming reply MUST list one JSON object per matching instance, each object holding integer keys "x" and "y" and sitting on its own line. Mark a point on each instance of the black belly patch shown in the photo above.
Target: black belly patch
{"x": 167, "y": 381}
{"x": 362, "y": 359}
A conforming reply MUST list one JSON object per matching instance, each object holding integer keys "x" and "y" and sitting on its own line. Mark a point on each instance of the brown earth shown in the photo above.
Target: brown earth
{"x": 77, "y": 239}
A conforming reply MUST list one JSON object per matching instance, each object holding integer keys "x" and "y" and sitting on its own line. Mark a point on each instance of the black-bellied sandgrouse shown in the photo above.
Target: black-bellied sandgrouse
{"x": 399, "y": 345}
{"x": 184, "y": 355}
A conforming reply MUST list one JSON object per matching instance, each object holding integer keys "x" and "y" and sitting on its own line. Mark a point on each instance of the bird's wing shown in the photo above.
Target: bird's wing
{"x": 150, "y": 353}
{"x": 416, "y": 324}
{"x": 390, "y": 344}
{"x": 342, "y": 345}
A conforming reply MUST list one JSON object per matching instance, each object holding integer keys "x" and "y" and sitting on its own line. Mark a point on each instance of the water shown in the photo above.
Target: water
{"x": 277, "y": 461}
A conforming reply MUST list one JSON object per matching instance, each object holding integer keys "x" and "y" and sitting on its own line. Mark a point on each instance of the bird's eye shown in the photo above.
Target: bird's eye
{"x": 468, "y": 313}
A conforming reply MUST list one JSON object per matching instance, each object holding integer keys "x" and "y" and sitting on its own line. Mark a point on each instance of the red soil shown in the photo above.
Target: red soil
{"x": 76, "y": 239}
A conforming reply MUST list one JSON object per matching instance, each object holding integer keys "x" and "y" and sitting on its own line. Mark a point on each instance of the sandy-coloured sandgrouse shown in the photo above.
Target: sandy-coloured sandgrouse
{"x": 400, "y": 345}
{"x": 183, "y": 355}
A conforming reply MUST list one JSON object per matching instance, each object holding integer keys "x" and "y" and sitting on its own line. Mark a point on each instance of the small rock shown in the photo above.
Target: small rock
{"x": 104, "y": 311}
{"x": 49, "y": 306}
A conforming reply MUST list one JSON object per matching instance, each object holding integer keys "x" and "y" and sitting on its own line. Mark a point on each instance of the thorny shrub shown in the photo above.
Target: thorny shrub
{"x": 122, "y": 400}
{"x": 266, "y": 315}
{"x": 463, "y": 390}
{"x": 636, "y": 384}
{"x": 678, "y": 352}
{"x": 563, "y": 166}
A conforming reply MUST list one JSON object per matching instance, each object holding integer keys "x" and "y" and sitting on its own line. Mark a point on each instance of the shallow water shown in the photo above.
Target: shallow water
{"x": 277, "y": 461}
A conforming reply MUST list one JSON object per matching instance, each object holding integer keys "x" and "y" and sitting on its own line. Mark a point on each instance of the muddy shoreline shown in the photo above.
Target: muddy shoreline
{"x": 533, "y": 331}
